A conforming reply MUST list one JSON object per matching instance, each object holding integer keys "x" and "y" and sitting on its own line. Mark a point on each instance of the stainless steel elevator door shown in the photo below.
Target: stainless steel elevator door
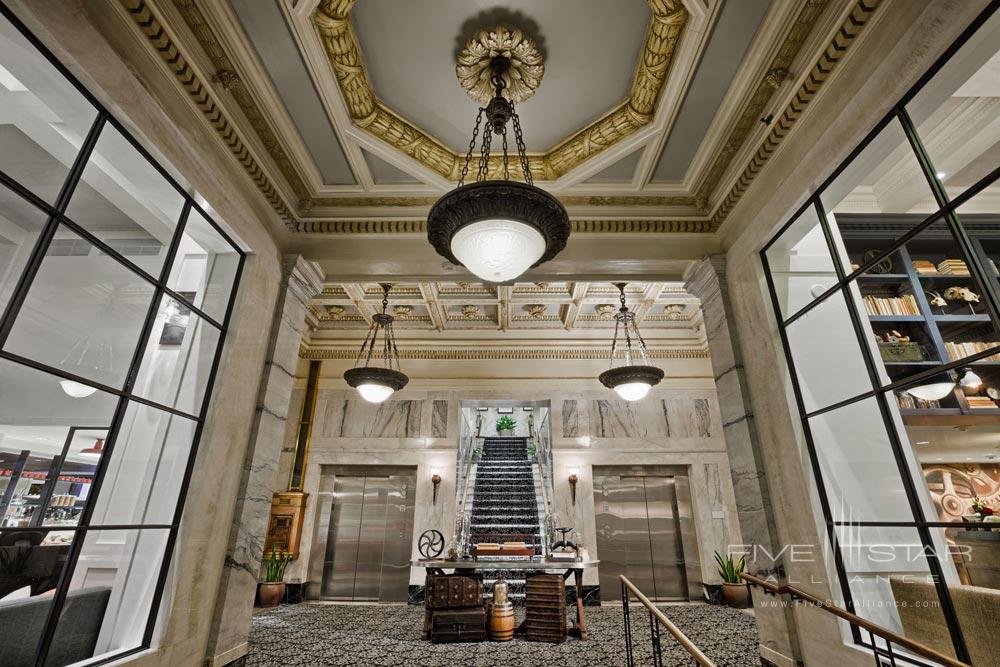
{"x": 368, "y": 544}
{"x": 638, "y": 535}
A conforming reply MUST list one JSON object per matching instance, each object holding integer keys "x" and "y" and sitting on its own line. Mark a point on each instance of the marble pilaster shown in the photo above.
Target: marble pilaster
{"x": 237, "y": 587}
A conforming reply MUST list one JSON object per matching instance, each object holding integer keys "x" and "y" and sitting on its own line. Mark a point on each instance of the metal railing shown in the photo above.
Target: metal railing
{"x": 888, "y": 637}
{"x": 657, "y": 620}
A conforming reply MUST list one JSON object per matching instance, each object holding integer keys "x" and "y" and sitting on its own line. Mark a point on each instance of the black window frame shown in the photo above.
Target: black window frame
{"x": 881, "y": 392}
{"x": 56, "y": 218}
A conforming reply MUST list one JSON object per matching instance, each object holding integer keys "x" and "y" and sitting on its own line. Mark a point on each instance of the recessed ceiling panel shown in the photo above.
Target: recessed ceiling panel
{"x": 265, "y": 25}
{"x": 727, "y": 47}
{"x": 590, "y": 46}
{"x": 384, "y": 173}
{"x": 619, "y": 172}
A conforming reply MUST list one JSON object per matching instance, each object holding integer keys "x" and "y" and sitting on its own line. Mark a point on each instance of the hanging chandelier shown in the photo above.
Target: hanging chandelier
{"x": 631, "y": 380}
{"x": 377, "y": 383}
{"x": 498, "y": 228}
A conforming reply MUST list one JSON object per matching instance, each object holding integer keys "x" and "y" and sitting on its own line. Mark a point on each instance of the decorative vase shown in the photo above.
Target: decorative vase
{"x": 736, "y": 596}
{"x": 505, "y": 433}
{"x": 272, "y": 593}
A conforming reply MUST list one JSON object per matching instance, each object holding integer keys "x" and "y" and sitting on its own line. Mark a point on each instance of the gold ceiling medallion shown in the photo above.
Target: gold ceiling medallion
{"x": 522, "y": 77}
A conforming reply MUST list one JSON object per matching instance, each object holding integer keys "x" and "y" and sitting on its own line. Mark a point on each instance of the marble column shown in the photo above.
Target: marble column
{"x": 707, "y": 281}
{"x": 237, "y": 587}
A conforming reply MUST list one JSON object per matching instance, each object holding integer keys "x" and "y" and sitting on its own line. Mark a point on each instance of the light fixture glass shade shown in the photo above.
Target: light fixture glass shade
{"x": 633, "y": 391}
{"x": 76, "y": 389}
{"x": 374, "y": 393}
{"x": 970, "y": 382}
{"x": 931, "y": 392}
{"x": 498, "y": 250}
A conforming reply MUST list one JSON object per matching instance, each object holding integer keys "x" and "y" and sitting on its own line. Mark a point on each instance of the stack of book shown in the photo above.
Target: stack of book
{"x": 958, "y": 351}
{"x": 980, "y": 402}
{"x": 907, "y": 402}
{"x": 924, "y": 267}
{"x": 893, "y": 305}
{"x": 953, "y": 267}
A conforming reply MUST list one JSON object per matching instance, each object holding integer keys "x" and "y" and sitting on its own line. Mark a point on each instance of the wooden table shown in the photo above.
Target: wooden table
{"x": 567, "y": 567}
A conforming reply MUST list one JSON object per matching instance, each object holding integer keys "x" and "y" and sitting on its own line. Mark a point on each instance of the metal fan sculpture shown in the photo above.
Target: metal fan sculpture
{"x": 431, "y": 544}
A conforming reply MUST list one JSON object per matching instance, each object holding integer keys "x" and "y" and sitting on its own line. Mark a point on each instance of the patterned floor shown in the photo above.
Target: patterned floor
{"x": 373, "y": 636}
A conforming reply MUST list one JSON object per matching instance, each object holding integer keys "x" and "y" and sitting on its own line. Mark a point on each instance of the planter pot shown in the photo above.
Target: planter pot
{"x": 736, "y": 596}
{"x": 506, "y": 433}
{"x": 272, "y": 593}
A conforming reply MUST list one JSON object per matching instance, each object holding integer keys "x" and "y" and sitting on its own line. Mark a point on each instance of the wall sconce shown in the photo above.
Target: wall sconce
{"x": 436, "y": 481}
{"x": 573, "y": 472}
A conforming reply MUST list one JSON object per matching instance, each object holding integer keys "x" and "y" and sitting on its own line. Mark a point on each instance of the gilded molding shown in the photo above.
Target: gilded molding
{"x": 474, "y": 68}
{"x": 419, "y": 226}
{"x": 332, "y": 23}
{"x": 766, "y": 89}
{"x": 810, "y": 87}
{"x": 202, "y": 97}
{"x": 501, "y": 353}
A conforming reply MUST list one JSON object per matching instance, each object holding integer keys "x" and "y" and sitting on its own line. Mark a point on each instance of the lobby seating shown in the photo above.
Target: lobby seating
{"x": 22, "y": 622}
{"x": 977, "y": 609}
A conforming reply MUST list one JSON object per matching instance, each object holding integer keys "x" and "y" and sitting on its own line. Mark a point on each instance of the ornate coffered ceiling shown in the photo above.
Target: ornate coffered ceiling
{"x": 575, "y": 307}
{"x": 344, "y": 112}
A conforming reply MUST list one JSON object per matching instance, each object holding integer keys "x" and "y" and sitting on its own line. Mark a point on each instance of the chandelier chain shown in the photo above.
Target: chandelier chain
{"x": 484, "y": 154}
{"x": 521, "y": 153}
{"x": 472, "y": 146}
{"x": 506, "y": 165}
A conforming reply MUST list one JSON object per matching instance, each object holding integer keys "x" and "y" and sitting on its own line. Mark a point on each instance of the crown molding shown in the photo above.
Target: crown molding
{"x": 499, "y": 353}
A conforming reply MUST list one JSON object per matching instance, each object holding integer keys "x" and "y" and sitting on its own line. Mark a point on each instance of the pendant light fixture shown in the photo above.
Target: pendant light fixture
{"x": 498, "y": 228}
{"x": 94, "y": 451}
{"x": 377, "y": 383}
{"x": 631, "y": 380}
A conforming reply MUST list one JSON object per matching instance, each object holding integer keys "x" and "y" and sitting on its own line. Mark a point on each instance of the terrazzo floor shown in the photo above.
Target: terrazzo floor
{"x": 382, "y": 635}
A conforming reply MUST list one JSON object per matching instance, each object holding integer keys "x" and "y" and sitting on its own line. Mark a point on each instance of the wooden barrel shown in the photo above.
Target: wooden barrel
{"x": 502, "y": 622}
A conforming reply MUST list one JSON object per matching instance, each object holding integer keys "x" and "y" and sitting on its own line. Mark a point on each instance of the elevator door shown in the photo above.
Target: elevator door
{"x": 368, "y": 545}
{"x": 638, "y": 535}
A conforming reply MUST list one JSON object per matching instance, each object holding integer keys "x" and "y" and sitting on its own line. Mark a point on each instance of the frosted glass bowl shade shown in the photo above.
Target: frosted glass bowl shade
{"x": 498, "y": 250}
{"x": 631, "y": 382}
{"x": 633, "y": 391}
{"x": 374, "y": 393}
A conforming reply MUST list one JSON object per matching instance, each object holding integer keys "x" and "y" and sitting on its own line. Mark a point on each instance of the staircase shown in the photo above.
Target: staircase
{"x": 506, "y": 506}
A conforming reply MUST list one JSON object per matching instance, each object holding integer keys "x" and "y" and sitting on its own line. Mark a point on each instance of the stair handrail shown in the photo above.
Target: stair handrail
{"x": 466, "y": 450}
{"x": 874, "y": 629}
{"x": 657, "y": 620}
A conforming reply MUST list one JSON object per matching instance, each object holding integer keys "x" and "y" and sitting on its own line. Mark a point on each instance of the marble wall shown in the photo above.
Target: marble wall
{"x": 672, "y": 426}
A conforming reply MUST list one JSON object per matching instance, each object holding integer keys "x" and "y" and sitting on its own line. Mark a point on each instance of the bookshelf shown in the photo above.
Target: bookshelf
{"x": 897, "y": 297}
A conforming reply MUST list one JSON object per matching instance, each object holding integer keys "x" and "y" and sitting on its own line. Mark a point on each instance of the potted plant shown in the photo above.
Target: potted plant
{"x": 505, "y": 426}
{"x": 734, "y": 589}
{"x": 982, "y": 510}
{"x": 272, "y": 589}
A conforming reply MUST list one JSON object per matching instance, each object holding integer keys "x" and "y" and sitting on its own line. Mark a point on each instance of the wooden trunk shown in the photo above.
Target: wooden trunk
{"x": 545, "y": 608}
{"x": 458, "y": 625}
{"x": 453, "y": 591}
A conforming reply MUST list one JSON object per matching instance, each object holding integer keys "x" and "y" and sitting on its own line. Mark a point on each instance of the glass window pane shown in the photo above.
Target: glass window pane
{"x": 858, "y": 466}
{"x": 178, "y": 359}
{"x": 20, "y": 225}
{"x": 45, "y": 118}
{"x": 827, "y": 355}
{"x": 32, "y": 563}
{"x": 124, "y": 201}
{"x": 800, "y": 264}
{"x": 884, "y": 183}
{"x": 891, "y": 583}
{"x": 205, "y": 267}
{"x": 46, "y": 469}
{"x": 146, "y": 468}
{"x": 956, "y": 111}
{"x": 83, "y": 313}
{"x": 112, "y": 588}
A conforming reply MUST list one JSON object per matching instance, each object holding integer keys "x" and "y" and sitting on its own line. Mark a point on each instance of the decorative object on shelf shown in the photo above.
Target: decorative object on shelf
{"x": 932, "y": 391}
{"x": 882, "y": 266}
{"x": 630, "y": 380}
{"x": 436, "y": 481}
{"x": 505, "y": 426}
{"x": 962, "y": 294}
{"x": 572, "y": 484}
{"x": 734, "y": 590}
{"x": 937, "y": 300}
{"x": 894, "y": 346}
{"x": 94, "y": 451}
{"x": 970, "y": 382}
{"x": 981, "y": 508}
{"x": 501, "y": 621}
{"x": 375, "y": 383}
{"x": 430, "y": 544}
{"x": 993, "y": 393}
{"x": 924, "y": 268}
{"x": 953, "y": 267}
{"x": 496, "y": 227}
{"x": 272, "y": 589}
